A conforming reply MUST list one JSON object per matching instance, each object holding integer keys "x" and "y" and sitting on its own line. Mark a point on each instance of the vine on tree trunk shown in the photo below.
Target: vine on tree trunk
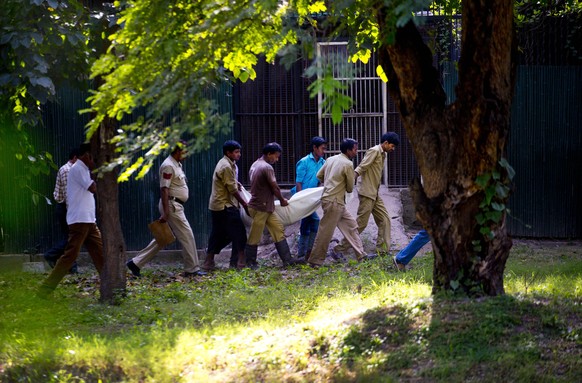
{"x": 496, "y": 189}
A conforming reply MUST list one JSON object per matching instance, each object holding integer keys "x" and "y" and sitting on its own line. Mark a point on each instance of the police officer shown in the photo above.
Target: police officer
{"x": 173, "y": 196}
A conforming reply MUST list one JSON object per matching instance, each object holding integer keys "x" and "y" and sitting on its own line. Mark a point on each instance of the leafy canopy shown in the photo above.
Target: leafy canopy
{"x": 168, "y": 55}
{"x": 41, "y": 45}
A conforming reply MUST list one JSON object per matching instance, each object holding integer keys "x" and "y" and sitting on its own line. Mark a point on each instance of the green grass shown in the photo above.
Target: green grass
{"x": 345, "y": 323}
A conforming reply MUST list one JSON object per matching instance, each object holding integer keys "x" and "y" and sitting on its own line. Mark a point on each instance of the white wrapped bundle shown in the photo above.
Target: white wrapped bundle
{"x": 301, "y": 205}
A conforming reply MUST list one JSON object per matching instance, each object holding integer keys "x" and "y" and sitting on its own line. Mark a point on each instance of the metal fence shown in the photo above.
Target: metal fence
{"x": 278, "y": 107}
{"x": 544, "y": 147}
{"x": 28, "y": 226}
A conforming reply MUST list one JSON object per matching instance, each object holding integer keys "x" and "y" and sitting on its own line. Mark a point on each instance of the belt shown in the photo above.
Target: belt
{"x": 177, "y": 200}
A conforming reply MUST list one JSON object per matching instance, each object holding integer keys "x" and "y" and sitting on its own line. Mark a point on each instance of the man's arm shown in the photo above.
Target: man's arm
{"x": 60, "y": 187}
{"x": 93, "y": 187}
{"x": 321, "y": 173}
{"x": 165, "y": 197}
{"x": 367, "y": 161}
{"x": 350, "y": 178}
{"x": 301, "y": 171}
{"x": 277, "y": 192}
{"x": 233, "y": 186}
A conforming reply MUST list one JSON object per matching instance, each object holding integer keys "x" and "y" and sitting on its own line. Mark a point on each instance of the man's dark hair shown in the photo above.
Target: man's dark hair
{"x": 347, "y": 144}
{"x": 73, "y": 153}
{"x": 84, "y": 148}
{"x": 180, "y": 145}
{"x": 272, "y": 147}
{"x": 230, "y": 146}
{"x": 391, "y": 137}
{"x": 317, "y": 142}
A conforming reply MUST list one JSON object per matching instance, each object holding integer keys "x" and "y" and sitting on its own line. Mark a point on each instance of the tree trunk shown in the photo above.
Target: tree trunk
{"x": 459, "y": 147}
{"x": 113, "y": 279}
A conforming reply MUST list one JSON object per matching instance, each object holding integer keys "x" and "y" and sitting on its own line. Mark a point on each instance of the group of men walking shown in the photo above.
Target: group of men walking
{"x": 336, "y": 175}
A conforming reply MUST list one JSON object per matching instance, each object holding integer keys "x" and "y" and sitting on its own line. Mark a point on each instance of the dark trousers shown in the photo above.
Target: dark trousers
{"x": 53, "y": 254}
{"x": 80, "y": 234}
{"x": 227, "y": 227}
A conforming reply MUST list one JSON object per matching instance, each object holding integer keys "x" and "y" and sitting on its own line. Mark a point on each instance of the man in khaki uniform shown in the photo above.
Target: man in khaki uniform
{"x": 370, "y": 169}
{"x": 337, "y": 176}
{"x": 225, "y": 201}
{"x": 173, "y": 196}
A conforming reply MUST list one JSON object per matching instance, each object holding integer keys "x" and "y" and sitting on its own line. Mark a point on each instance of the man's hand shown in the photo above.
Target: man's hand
{"x": 284, "y": 202}
{"x": 163, "y": 218}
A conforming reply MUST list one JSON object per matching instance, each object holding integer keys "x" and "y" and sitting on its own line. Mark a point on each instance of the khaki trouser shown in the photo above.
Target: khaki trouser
{"x": 262, "y": 219}
{"x": 80, "y": 234}
{"x": 335, "y": 215}
{"x": 375, "y": 207}
{"x": 183, "y": 232}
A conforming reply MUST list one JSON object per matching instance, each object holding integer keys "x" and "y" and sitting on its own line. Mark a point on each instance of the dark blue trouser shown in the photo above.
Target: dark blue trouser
{"x": 53, "y": 254}
{"x": 405, "y": 255}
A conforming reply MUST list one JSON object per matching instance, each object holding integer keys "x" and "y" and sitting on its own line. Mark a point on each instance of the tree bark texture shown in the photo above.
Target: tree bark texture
{"x": 456, "y": 144}
{"x": 113, "y": 280}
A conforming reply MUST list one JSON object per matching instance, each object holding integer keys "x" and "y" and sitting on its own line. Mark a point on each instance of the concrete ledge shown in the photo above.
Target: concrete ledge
{"x": 15, "y": 262}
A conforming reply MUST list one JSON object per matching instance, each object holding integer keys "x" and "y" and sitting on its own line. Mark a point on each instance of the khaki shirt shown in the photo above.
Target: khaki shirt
{"x": 337, "y": 175}
{"x": 224, "y": 185}
{"x": 172, "y": 176}
{"x": 370, "y": 170}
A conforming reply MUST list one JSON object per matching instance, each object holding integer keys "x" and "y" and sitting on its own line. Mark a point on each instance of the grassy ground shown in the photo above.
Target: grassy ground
{"x": 344, "y": 323}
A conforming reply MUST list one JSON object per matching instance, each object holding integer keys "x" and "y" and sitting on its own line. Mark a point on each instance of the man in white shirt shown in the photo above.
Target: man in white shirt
{"x": 60, "y": 195}
{"x": 81, "y": 220}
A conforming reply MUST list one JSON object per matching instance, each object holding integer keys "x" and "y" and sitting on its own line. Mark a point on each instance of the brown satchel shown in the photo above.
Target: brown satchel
{"x": 162, "y": 233}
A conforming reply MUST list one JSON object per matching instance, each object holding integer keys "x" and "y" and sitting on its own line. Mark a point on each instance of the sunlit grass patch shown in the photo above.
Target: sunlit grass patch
{"x": 346, "y": 322}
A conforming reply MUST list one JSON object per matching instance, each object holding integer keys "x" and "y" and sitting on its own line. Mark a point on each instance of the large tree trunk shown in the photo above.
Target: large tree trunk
{"x": 113, "y": 280}
{"x": 461, "y": 202}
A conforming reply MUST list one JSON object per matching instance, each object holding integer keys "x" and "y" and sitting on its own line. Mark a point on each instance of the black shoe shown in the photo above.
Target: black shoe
{"x": 197, "y": 273}
{"x": 133, "y": 268}
{"x": 336, "y": 256}
{"x": 253, "y": 265}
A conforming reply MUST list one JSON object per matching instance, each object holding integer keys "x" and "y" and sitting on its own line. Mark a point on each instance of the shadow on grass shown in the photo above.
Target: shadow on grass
{"x": 491, "y": 340}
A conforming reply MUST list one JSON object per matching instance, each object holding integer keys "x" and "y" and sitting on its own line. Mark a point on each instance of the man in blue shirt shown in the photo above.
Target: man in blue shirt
{"x": 306, "y": 177}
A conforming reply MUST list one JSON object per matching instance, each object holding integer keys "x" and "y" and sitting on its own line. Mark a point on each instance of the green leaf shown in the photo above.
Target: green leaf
{"x": 494, "y": 216}
{"x": 454, "y": 284}
{"x": 498, "y": 206}
{"x": 483, "y": 179}
{"x": 35, "y": 199}
{"x": 489, "y": 193}
{"x": 510, "y": 171}
{"x": 380, "y": 72}
{"x": 501, "y": 191}
{"x": 336, "y": 114}
{"x": 243, "y": 76}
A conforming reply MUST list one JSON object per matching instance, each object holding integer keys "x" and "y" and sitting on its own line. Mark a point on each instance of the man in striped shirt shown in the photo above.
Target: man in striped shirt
{"x": 60, "y": 195}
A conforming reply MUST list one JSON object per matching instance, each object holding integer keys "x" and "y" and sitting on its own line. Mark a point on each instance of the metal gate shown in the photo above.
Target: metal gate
{"x": 373, "y": 113}
{"x": 276, "y": 106}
